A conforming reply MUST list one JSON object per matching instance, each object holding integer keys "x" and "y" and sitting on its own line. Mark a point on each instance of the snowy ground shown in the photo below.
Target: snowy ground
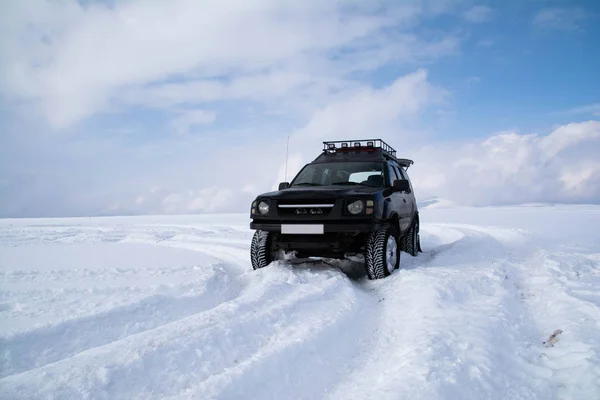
{"x": 168, "y": 307}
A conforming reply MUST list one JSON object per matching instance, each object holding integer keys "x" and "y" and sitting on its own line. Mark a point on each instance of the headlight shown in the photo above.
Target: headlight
{"x": 263, "y": 208}
{"x": 355, "y": 207}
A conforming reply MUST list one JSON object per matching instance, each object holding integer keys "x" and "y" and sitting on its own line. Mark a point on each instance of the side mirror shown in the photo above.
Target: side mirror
{"x": 284, "y": 185}
{"x": 401, "y": 185}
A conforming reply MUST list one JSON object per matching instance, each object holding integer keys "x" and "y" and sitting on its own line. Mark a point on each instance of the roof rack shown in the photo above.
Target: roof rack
{"x": 366, "y": 145}
{"x": 331, "y": 146}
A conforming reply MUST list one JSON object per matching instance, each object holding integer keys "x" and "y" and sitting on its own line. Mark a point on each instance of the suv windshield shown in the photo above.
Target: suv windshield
{"x": 341, "y": 173}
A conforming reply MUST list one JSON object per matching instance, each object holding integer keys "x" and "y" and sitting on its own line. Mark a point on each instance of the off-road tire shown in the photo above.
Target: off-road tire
{"x": 411, "y": 242}
{"x": 260, "y": 249}
{"x": 375, "y": 251}
{"x": 412, "y": 239}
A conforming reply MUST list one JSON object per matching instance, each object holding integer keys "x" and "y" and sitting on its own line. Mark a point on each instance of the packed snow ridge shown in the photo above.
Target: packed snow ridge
{"x": 502, "y": 304}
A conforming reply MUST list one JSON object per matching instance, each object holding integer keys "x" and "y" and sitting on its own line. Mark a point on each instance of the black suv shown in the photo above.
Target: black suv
{"x": 354, "y": 198}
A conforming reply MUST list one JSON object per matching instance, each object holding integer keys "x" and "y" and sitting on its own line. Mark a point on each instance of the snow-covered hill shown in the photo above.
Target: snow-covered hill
{"x": 503, "y": 304}
{"x": 434, "y": 202}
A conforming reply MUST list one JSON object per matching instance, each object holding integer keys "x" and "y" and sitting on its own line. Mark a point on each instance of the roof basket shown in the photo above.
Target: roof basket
{"x": 367, "y": 146}
{"x": 333, "y": 146}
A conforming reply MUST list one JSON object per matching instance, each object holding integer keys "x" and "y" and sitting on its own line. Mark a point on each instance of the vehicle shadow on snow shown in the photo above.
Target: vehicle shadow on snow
{"x": 459, "y": 247}
{"x": 354, "y": 270}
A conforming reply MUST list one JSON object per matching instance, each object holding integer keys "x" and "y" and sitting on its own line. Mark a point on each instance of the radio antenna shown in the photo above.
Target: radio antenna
{"x": 286, "y": 156}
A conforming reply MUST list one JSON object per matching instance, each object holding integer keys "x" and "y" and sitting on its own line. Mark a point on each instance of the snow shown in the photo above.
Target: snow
{"x": 435, "y": 202}
{"x": 503, "y": 303}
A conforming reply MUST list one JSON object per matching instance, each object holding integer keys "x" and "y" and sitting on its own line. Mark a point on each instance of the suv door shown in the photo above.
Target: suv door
{"x": 400, "y": 201}
{"x": 410, "y": 196}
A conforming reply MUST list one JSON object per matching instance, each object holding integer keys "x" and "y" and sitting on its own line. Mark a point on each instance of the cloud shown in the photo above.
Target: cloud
{"x": 189, "y": 176}
{"x": 262, "y": 166}
{"x": 512, "y": 168}
{"x": 183, "y": 174}
{"x": 188, "y": 119}
{"x": 374, "y": 110}
{"x": 94, "y": 89}
{"x": 478, "y": 14}
{"x": 559, "y": 18}
{"x": 162, "y": 201}
{"x": 504, "y": 168}
{"x": 82, "y": 59}
{"x": 592, "y": 109}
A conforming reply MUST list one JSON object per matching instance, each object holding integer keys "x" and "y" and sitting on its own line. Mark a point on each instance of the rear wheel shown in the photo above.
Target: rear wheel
{"x": 260, "y": 249}
{"x": 382, "y": 254}
{"x": 411, "y": 242}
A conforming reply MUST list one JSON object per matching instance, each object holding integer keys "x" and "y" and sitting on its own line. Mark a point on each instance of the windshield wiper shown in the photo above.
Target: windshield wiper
{"x": 307, "y": 184}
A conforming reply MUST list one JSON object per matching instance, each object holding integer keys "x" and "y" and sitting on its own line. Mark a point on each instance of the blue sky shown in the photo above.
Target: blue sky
{"x": 133, "y": 107}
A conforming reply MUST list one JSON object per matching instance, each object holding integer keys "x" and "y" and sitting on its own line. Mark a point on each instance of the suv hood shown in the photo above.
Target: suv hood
{"x": 320, "y": 192}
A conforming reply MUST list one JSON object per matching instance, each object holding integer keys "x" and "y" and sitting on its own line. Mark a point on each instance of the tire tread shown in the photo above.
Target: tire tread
{"x": 375, "y": 252}
{"x": 260, "y": 250}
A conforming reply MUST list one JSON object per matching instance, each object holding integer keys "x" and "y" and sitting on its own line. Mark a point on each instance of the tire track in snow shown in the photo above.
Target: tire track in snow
{"x": 422, "y": 349}
{"x": 247, "y": 331}
{"x": 238, "y": 256}
{"x": 463, "y": 320}
{"x": 39, "y": 347}
{"x": 303, "y": 355}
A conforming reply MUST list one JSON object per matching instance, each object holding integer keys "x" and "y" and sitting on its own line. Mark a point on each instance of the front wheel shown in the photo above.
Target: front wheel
{"x": 382, "y": 255}
{"x": 260, "y": 249}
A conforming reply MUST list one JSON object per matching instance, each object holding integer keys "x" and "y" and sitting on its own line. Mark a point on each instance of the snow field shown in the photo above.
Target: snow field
{"x": 168, "y": 307}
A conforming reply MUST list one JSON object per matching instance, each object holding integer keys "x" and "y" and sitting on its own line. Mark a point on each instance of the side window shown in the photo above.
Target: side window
{"x": 404, "y": 174}
{"x": 400, "y": 173}
{"x": 392, "y": 174}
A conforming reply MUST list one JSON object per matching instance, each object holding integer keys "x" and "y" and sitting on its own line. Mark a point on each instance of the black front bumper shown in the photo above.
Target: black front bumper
{"x": 338, "y": 237}
{"x": 328, "y": 227}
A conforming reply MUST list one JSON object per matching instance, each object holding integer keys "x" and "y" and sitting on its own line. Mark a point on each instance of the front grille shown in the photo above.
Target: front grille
{"x": 305, "y": 211}
{"x": 305, "y": 202}
{"x": 305, "y": 208}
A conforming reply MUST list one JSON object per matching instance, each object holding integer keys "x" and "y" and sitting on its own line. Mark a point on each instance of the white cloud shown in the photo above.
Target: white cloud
{"x": 255, "y": 86}
{"x": 365, "y": 112}
{"x": 262, "y": 165}
{"x": 188, "y": 119}
{"x": 514, "y": 168}
{"x": 579, "y": 178}
{"x": 193, "y": 63}
{"x": 478, "y": 14}
{"x": 369, "y": 110}
{"x": 559, "y": 18}
{"x": 504, "y": 168}
{"x": 592, "y": 109}
{"x": 195, "y": 173}
{"x": 83, "y": 59}
{"x": 249, "y": 188}
{"x": 206, "y": 200}
{"x": 568, "y": 136}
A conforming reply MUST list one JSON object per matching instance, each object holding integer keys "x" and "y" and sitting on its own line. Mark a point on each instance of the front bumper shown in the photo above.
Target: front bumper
{"x": 328, "y": 227}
